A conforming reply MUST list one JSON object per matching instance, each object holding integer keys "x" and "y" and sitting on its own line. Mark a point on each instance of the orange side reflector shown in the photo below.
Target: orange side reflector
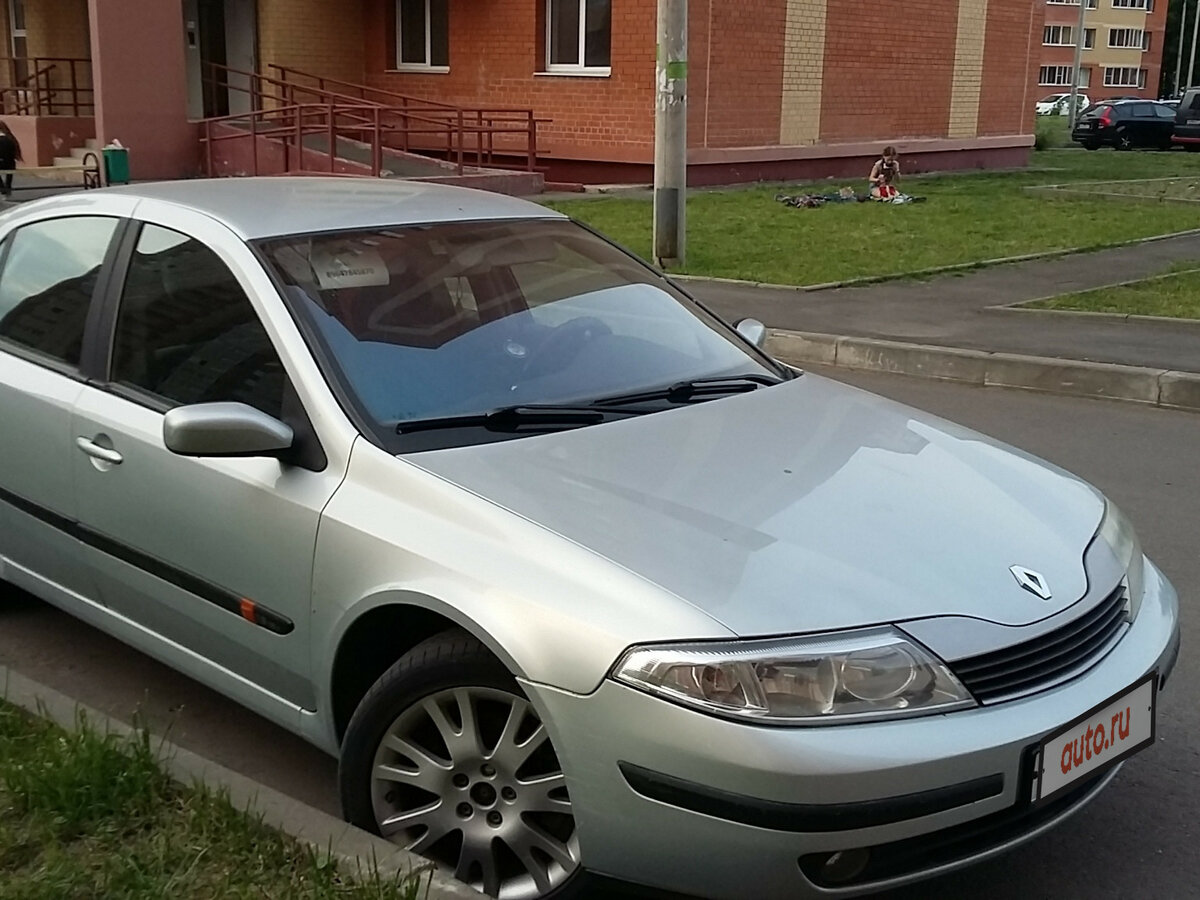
{"x": 247, "y": 609}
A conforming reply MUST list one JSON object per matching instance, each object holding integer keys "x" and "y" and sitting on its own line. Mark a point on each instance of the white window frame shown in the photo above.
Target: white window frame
{"x": 1147, "y": 5}
{"x": 1139, "y": 81}
{"x": 1127, "y": 38}
{"x": 1066, "y": 36}
{"x": 1092, "y": 4}
{"x": 575, "y": 68}
{"x": 1063, "y": 72}
{"x": 398, "y": 63}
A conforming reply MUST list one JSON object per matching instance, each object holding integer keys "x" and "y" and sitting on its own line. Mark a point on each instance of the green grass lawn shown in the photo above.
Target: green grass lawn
{"x": 83, "y": 815}
{"x": 1176, "y": 295}
{"x": 1053, "y": 131}
{"x": 744, "y": 233}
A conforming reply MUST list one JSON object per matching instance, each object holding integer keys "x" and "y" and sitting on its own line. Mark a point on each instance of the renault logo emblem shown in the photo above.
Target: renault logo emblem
{"x": 1032, "y": 581}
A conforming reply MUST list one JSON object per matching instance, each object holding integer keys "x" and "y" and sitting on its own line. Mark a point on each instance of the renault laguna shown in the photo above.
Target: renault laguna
{"x": 574, "y": 579}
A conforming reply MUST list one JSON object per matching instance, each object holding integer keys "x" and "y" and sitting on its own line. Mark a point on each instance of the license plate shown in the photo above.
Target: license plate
{"x": 1097, "y": 740}
{"x": 1193, "y": 121}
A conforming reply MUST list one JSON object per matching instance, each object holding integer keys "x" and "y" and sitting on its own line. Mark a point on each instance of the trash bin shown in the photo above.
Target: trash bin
{"x": 116, "y": 165}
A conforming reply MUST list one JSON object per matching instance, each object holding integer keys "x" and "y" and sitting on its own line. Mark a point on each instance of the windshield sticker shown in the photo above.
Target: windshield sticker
{"x": 349, "y": 269}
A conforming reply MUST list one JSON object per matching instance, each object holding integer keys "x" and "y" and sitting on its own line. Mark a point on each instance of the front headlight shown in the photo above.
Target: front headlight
{"x": 827, "y": 679}
{"x": 1116, "y": 531}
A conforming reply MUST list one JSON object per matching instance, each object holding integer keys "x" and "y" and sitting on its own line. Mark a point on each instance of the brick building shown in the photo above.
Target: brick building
{"x": 1122, "y": 47}
{"x": 777, "y": 88}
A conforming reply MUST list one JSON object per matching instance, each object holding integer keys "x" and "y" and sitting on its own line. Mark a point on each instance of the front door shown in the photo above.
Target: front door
{"x": 221, "y": 44}
{"x": 51, "y": 270}
{"x": 213, "y": 555}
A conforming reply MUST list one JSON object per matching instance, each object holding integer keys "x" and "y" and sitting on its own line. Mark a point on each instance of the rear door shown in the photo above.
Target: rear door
{"x": 1143, "y": 124}
{"x": 51, "y": 271}
{"x": 212, "y": 555}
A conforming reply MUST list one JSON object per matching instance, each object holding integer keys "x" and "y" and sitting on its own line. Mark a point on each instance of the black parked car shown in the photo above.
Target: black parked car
{"x": 1126, "y": 124}
{"x": 1187, "y": 120}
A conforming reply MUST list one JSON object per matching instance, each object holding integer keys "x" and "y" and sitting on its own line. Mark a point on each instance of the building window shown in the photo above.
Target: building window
{"x": 1057, "y": 75}
{"x": 422, "y": 34}
{"x": 1064, "y": 36}
{"x": 578, "y": 35}
{"x": 1090, "y": 5}
{"x": 1124, "y": 76}
{"x": 1127, "y": 37}
{"x": 1147, "y": 5}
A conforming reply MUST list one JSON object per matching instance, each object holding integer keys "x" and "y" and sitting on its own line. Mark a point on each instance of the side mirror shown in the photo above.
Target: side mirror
{"x": 752, "y": 330}
{"x": 224, "y": 429}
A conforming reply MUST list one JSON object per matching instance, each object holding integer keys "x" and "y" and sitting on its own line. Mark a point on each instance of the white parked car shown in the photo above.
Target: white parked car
{"x": 1058, "y": 104}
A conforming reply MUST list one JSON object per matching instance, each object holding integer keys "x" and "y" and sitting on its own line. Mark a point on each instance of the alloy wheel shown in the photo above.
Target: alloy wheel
{"x": 468, "y": 778}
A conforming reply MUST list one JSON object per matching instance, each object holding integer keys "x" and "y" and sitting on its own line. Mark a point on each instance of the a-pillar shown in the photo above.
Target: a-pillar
{"x": 140, "y": 78}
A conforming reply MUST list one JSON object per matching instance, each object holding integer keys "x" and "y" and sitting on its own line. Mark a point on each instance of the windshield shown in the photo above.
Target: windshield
{"x": 461, "y": 319}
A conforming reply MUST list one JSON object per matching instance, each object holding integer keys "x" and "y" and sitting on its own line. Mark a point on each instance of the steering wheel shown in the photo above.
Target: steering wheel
{"x": 563, "y": 344}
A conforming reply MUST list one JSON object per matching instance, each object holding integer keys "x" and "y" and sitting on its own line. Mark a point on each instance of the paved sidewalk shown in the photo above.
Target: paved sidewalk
{"x": 958, "y": 310}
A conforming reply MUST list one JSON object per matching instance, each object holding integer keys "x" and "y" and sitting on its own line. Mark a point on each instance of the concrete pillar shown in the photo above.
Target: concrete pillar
{"x": 140, "y": 78}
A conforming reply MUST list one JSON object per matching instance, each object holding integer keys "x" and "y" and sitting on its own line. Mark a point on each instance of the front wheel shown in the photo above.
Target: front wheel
{"x": 446, "y": 757}
{"x": 1124, "y": 141}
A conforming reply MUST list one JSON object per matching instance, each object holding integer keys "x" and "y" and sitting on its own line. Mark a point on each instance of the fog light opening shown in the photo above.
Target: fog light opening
{"x": 845, "y": 865}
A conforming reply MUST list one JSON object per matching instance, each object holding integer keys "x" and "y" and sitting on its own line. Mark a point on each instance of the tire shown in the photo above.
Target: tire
{"x": 1091, "y": 145}
{"x": 1123, "y": 141}
{"x": 471, "y": 770}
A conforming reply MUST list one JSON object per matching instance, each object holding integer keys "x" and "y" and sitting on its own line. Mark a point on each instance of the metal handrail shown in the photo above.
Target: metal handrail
{"x": 461, "y": 133}
{"x": 38, "y": 94}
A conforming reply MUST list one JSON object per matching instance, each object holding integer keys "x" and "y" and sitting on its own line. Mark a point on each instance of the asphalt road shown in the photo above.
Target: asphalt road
{"x": 1138, "y": 840}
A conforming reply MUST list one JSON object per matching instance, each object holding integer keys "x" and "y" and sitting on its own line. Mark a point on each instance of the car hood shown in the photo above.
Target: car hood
{"x": 802, "y": 507}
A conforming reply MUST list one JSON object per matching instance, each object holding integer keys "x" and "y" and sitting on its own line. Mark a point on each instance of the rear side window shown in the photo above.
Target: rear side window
{"x": 46, "y": 286}
{"x": 1164, "y": 112}
{"x": 186, "y": 332}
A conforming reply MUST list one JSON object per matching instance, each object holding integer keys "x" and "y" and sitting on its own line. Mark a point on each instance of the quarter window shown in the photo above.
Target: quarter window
{"x": 578, "y": 34}
{"x": 46, "y": 287}
{"x": 422, "y": 34}
{"x": 186, "y": 332}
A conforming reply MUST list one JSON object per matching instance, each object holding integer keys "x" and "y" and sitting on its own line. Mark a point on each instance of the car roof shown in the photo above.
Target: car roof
{"x": 264, "y": 207}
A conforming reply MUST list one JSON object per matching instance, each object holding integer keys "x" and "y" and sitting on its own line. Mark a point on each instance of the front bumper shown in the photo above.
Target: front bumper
{"x": 787, "y": 795}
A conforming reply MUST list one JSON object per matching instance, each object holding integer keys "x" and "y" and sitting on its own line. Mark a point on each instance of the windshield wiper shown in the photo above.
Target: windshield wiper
{"x": 512, "y": 419}
{"x": 687, "y": 391}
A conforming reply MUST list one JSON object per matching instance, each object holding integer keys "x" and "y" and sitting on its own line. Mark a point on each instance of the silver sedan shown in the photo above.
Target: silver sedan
{"x": 573, "y": 578}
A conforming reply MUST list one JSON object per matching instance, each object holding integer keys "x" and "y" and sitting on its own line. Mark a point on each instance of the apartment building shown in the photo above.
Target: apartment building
{"x": 1122, "y": 47}
{"x": 777, "y": 88}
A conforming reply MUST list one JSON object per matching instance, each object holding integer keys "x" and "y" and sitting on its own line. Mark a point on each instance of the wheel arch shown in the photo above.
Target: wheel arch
{"x": 380, "y": 633}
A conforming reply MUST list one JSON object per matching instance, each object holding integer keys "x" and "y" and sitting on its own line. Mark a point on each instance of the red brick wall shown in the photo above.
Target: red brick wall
{"x": 744, "y": 74}
{"x": 880, "y": 88}
{"x": 495, "y": 46}
{"x": 1010, "y": 67}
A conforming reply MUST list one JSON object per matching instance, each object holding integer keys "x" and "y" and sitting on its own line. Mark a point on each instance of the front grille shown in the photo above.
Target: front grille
{"x": 1050, "y": 659}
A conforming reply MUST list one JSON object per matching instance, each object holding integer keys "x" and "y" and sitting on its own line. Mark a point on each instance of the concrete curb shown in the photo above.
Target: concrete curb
{"x": 359, "y": 851}
{"x": 937, "y": 270}
{"x": 1156, "y": 387}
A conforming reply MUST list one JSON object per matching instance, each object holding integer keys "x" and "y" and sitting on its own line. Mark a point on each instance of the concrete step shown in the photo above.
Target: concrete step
{"x": 66, "y": 160}
{"x": 80, "y": 152}
{"x": 91, "y": 144}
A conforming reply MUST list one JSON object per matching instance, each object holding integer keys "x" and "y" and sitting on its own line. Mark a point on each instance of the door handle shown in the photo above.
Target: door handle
{"x": 95, "y": 451}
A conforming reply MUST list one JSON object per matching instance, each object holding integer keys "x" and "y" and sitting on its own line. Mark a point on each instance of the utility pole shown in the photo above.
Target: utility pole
{"x": 670, "y": 135}
{"x": 1192, "y": 63}
{"x": 1179, "y": 54}
{"x": 1073, "y": 113}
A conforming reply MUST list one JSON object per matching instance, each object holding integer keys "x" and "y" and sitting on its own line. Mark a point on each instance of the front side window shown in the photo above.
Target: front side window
{"x": 422, "y": 34}
{"x": 578, "y": 34}
{"x": 186, "y": 332}
{"x": 426, "y": 322}
{"x": 46, "y": 286}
